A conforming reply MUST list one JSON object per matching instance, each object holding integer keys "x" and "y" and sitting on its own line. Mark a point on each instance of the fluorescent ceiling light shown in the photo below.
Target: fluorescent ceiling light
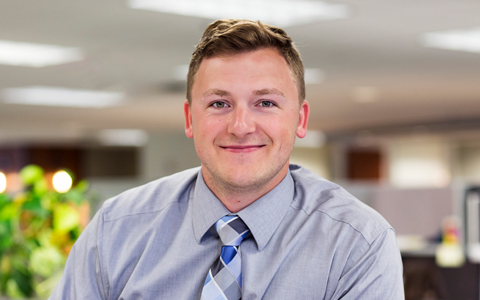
{"x": 282, "y": 13}
{"x": 123, "y": 137}
{"x": 467, "y": 40}
{"x": 52, "y": 96}
{"x": 36, "y": 55}
{"x": 3, "y": 182}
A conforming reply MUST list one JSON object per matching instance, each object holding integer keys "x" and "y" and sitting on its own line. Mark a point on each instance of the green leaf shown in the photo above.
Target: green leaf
{"x": 23, "y": 282}
{"x": 45, "y": 261}
{"x": 13, "y": 291}
{"x": 4, "y": 199}
{"x": 40, "y": 186}
{"x": 5, "y": 264}
{"x": 8, "y": 212}
{"x": 74, "y": 196}
{"x": 20, "y": 261}
{"x": 30, "y": 174}
{"x": 65, "y": 218}
{"x": 35, "y": 205}
{"x": 82, "y": 186}
{"x": 6, "y": 238}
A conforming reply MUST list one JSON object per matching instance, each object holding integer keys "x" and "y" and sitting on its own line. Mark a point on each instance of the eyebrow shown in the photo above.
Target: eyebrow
{"x": 221, "y": 93}
{"x": 216, "y": 92}
{"x": 269, "y": 92}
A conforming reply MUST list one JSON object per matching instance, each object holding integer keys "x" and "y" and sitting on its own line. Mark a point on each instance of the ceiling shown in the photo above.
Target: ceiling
{"x": 137, "y": 52}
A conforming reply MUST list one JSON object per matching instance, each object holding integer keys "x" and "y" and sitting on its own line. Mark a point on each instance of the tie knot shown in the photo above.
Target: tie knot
{"x": 231, "y": 230}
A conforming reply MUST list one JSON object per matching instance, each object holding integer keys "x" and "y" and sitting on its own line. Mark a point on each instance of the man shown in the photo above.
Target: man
{"x": 292, "y": 234}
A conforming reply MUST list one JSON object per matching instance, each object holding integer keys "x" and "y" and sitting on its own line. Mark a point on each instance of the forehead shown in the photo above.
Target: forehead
{"x": 265, "y": 67}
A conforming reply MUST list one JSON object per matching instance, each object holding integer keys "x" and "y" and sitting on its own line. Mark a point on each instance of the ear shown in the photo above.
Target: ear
{"x": 303, "y": 119}
{"x": 188, "y": 119}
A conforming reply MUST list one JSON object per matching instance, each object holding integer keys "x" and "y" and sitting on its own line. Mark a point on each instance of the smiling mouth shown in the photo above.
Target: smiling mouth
{"x": 242, "y": 148}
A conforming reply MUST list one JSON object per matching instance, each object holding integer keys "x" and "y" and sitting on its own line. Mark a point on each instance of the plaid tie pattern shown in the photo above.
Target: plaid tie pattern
{"x": 224, "y": 279}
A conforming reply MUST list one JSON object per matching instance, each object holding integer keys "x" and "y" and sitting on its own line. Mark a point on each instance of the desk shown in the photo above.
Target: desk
{"x": 425, "y": 280}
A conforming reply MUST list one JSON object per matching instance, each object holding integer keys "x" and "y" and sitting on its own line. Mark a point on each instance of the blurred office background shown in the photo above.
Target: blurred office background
{"x": 98, "y": 87}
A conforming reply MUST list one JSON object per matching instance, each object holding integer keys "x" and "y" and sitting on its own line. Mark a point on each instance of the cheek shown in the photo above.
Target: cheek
{"x": 202, "y": 148}
{"x": 207, "y": 130}
{"x": 288, "y": 125}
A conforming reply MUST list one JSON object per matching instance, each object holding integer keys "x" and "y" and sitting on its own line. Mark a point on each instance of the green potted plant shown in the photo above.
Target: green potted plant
{"x": 38, "y": 227}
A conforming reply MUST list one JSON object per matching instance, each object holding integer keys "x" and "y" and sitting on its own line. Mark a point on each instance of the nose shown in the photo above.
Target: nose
{"x": 242, "y": 122}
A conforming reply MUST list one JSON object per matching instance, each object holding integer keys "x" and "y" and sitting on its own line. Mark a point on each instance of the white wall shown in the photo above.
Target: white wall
{"x": 419, "y": 162}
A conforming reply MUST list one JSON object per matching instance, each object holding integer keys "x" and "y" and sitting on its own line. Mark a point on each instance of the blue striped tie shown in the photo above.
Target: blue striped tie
{"x": 224, "y": 279}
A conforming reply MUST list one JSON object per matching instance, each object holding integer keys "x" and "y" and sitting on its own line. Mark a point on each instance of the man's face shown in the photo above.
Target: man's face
{"x": 244, "y": 116}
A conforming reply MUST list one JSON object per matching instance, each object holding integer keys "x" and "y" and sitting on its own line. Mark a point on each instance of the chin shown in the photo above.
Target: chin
{"x": 252, "y": 178}
{"x": 238, "y": 178}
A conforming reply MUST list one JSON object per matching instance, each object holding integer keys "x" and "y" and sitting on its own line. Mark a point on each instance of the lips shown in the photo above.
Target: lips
{"x": 242, "y": 148}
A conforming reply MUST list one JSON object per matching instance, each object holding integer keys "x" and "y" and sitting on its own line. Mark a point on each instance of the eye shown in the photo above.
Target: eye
{"x": 219, "y": 104}
{"x": 266, "y": 103}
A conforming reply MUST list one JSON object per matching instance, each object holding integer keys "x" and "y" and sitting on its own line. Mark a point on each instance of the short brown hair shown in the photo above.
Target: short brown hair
{"x": 232, "y": 36}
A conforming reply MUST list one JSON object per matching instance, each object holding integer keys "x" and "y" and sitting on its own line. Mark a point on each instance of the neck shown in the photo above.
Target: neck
{"x": 235, "y": 197}
{"x": 236, "y": 200}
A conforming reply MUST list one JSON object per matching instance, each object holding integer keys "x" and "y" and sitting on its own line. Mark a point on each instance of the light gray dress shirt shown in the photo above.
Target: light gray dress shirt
{"x": 310, "y": 240}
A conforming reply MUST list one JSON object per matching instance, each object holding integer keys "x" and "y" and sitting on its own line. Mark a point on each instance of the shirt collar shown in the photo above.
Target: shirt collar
{"x": 262, "y": 216}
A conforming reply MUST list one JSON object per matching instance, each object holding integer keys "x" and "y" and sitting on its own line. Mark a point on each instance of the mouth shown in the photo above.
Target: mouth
{"x": 242, "y": 148}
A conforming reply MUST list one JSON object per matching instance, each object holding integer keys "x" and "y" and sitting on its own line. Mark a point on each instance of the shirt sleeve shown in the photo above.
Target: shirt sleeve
{"x": 83, "y": 274}
{"x": 378, "y": 274}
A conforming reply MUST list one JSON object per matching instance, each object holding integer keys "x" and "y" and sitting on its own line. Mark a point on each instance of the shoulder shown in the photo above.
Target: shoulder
{"x": 151, "y": 197}
{"x": 316, "y": 195}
